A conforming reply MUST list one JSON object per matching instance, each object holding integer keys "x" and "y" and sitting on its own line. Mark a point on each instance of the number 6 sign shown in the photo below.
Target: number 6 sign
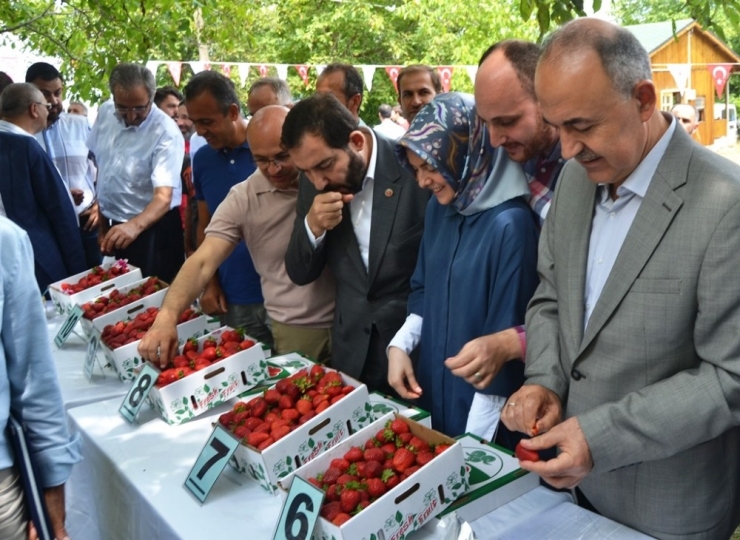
{"x": 300, "y": 511}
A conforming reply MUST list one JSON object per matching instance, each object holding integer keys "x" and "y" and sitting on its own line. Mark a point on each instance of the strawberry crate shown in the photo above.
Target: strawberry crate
{"x": 121, "y": 314}
{"x": 404, "y": 508}
{"x": 280, "y": 367}
{"x": 324, "y": 430}
{"x": 64, "y": 302}
{"x": 126, "y": 359}
{"x": 494, "y": 479}
{"x": 381, "y": 404}
{"x": 209, "y": 387}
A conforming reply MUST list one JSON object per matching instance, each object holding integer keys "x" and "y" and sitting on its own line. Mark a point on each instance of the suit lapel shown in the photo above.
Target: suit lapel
{"x": 655, "y": 215}
{"x": 386, "y": 194}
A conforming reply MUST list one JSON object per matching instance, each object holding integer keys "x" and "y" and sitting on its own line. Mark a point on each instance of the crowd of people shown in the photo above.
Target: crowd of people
{"x": 545, "y": 261}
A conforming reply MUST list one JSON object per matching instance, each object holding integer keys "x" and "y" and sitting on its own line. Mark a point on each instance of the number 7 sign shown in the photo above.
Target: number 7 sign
{"x": 219, "y": 448}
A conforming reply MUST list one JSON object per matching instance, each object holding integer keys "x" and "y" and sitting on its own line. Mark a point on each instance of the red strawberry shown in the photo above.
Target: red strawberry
{"x": 331, "y": 510}
{"x": 341, "y": 519}
{"x": 374, "y": 454}
{"x": 304, "y": 406}
{"x": 285, "y": 402}
{"x": 265, "y": 444}
{"x": 226, "y": 419}
{"x": 347, "y": 389}
{"x": 201, "y": 363}
{"x": 316, "y": 372}
{"x": 280, "y": 432}
{"x": 331, "y": 475}
{"x": 389, "y": 449}
{"x": 209, "y": 343}
{"x": 345, "y": 479}
{"x": 241, "y": 432}
{"x": 211, "y": 354}
{"x": 422, "y": 458}
{"x": 242, "y": 417}
{"x": 255, "y": 439}
{"x": 290, "y": 415}
{"x": 399, "y": 426}
{"x": 322, "y": 407}
{"x": 524, "y": 454}
{"x": 419, "y": 445}
{"x": 405, "y": 438}
{"x": 306, "y": 417}
{"x": 376, "y": 487}
{"x": 332, "y": 494}
{"x": 190, "y": 345}
{"x": 373, "y": 469}
{"x": 252, "y": 422}
{"x": 392, "y": 481}
{"x": 349, "y": 499}
{"x": 246, "y": 344}
{"x": 403, "y": 459}
{"x": 258, "y": 407}
{"x": 341, "y": 464}
{"x": 372, "y": 443}
{"x": 354, "y": 455}
{"x": 408, "y": 472}
{"x": 440, "y": 448}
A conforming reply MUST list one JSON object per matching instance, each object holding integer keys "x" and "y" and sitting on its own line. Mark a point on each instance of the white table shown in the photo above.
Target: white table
{"x": 76, "y": 389}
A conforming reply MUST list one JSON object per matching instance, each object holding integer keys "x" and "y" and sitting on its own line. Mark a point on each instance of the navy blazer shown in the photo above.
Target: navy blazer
{"x": 36, "y": 199}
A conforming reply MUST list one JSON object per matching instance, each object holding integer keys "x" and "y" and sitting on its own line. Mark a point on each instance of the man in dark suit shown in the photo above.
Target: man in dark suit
{"x": 31, "y": 190}
{"x": 359, "y": 212}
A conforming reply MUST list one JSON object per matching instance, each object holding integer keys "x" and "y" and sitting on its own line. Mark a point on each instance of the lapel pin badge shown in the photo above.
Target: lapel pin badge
{"x": 389, "y": 192}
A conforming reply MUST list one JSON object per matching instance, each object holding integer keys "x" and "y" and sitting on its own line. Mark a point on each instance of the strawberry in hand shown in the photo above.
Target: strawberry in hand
{"x": 524, "y": 454}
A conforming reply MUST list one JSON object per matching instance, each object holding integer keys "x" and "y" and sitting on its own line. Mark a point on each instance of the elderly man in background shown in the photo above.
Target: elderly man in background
{"x": 686, "y": 115}
{"x": 139, "y": 151}
{"x": 260, "y": 212}
{"x": 344, "y": 82}
{"x": 32, "y": 194}
{"x": 65, "y": 141}
{"x": 268, "y": 91}
{"x": 77, "y": 107}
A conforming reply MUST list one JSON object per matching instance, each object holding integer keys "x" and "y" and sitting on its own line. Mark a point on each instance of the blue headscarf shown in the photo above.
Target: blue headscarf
{"x": 449, "y": 135}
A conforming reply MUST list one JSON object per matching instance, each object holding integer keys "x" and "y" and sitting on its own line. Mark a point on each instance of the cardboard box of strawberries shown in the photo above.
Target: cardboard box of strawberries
{"x": 85, "y": 286}
{"x": 385, "y": 481}
{"x": 209, "y": 371}
{"x": 294, "y": 421}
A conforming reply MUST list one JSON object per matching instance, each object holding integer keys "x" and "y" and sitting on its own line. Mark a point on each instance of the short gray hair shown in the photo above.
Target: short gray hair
{"x": 624, "y": 59}
{"x": 17, "y": 98}
{"x": 277, "y": 85}
{"x": 129, "y": 76}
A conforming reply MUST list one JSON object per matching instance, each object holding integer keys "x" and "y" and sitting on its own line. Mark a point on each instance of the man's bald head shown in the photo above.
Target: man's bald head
{"x": 263, "y": 136}
{"x": 686, "y": 115}
{"x": 24, "y": 105}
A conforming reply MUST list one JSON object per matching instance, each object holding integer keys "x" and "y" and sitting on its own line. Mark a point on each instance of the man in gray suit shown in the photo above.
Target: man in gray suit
{"x": 633, "y": 358}
{"x": 362, "y": 214}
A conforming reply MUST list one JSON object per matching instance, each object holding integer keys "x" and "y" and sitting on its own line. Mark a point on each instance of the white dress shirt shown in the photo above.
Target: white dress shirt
{"x": 360, "y": 208}
{"x": 612, "y": 221}
{"x": 133, "y": 160}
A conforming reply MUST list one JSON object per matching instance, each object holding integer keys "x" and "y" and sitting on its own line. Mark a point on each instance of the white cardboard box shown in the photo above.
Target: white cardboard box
{"x": 193, "y": 395}
{"x": 307, "y": 441}
{"x": 494, "y": 478}
{"x": 409, "y": 505}
{"x": 126, "y": 359}
{"x": 64, "y": 302}
{"x": 280, "y": 367}
{"x": 125, "y": 312}
{"x": 381, "y": 405}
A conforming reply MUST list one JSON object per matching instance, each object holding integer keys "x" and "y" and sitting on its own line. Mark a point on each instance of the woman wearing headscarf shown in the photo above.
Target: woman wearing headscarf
{"x": 476, "y": 269}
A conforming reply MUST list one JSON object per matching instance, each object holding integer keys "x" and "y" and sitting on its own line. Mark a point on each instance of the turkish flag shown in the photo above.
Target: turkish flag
{"x": 720, "y": 73}
{"x": 303, "y": 72}
{"x": 445, "y": 76}
{"x": 392, "y": 72}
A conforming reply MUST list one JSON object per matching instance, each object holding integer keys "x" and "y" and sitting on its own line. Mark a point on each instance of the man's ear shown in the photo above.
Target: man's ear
{"x": 357, "y": 140}
{"x": 234, "y": 112}
{"x": 646, "y": 96}
{"x": 353, "y": 104}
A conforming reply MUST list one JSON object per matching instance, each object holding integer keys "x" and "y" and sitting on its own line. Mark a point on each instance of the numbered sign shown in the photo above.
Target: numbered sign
{"x": 139, "y": 390}
{"x": 210, "y": 464}
{"x": 300, "y": 511}
{"x": 69, "y": 324}
{"x": 91, "y": 356}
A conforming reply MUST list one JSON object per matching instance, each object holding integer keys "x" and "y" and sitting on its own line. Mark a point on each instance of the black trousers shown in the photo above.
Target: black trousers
{"x": 159, "y": 250}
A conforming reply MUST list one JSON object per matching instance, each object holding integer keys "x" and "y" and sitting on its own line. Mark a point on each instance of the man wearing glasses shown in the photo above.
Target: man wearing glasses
{"x": 139, "y": 151}
{"x": 259, "y": 211}
{"x": 32, "y": 194}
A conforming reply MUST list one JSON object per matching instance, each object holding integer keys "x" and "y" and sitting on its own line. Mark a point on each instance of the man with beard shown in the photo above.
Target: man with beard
{"x": 65, "y": 142}
{"x": 417, "y": 86}
{"x": 504, "y": 96}
{"x": 258, "y": 211}
{"x": 360, "y": 213}
{"x": 168, "y": 99}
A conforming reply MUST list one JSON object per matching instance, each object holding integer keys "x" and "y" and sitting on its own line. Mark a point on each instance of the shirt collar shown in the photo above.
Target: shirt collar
{"x": 9, "y": 127}
{"x": 370, "y": 175}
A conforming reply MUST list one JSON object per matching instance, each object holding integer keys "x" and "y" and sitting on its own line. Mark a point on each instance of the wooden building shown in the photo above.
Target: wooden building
{"x": 694, "y": 46}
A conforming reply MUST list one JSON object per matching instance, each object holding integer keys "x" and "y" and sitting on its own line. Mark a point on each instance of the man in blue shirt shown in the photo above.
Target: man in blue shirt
{"x": 234, "y": 292}
{"x": 29, "y": 390}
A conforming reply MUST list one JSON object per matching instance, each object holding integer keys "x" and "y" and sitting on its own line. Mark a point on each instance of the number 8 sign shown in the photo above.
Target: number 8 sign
{"x": 139, "y": 389}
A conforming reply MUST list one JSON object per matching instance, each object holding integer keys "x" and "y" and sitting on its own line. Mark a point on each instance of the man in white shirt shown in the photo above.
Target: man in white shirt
{"x": 65, "y": 141}
{"x": 387, "y": 127}
{"x": 139, "y": 151}
{"x": 360, "y": 213}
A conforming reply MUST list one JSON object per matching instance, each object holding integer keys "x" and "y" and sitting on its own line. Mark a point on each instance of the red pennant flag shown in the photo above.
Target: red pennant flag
{"x": 303, "y": 72}
{"x": 392, "y": 72}
{"x": 263, "y": 70}
{"x": 226, "y": 69}
{"x": 720, "y": 73}
{"x": 445, "y": 76}
{"x": 175, "y": 69}
{"x": 207, "y": 66}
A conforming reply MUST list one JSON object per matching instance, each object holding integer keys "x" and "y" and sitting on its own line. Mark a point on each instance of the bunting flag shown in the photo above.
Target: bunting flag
{"x": 243, "y": 72}
{"x": 367, "y": 74}
{"x": 472, "y": 72}
{"x": 392, "y": 72}
{"x": 226, "y": 69}
{"x": 303, "y": 72}
{"x": 175, "y": 69}
{"x": 197, "y": 67}
{"x": 445, "y": 76}
{"x": 680, "y": 74}
{"x": 720, "y": 73}
{"x": 262, "y": 69}
{"x": 152, "y": 66}
{"x": 282, "y": 71}
{"x": 319, "y": 69}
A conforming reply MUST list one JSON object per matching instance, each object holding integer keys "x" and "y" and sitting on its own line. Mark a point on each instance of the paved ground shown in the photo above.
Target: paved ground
{"x": 730, "y": 152}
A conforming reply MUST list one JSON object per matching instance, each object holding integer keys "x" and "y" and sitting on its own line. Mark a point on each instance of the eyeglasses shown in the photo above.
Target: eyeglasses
{"x": 279, "y": 161}
{"x": 123, "y": 111}
{"x": 47, "y": 105}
